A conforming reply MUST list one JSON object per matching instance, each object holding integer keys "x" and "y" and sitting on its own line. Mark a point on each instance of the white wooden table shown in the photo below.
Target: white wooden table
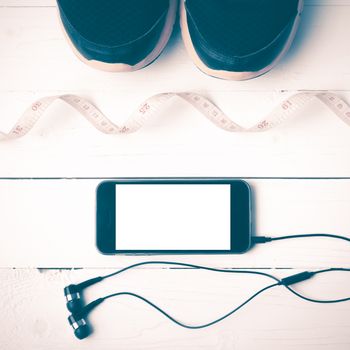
{"x": 300, "y": 175}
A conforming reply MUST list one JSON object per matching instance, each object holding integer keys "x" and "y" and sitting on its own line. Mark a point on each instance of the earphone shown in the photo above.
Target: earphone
{"x": 78, "y": 319}
{"x": 73, "y": 294}
{"x": 79, "y": 312}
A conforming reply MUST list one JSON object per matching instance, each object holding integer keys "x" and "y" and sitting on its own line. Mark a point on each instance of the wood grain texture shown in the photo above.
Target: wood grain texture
{"x": 63, "y": 144}
{"x": 34, "y": 315}
{"x": 51, "y": 223}
{"x": 44, "y": 222}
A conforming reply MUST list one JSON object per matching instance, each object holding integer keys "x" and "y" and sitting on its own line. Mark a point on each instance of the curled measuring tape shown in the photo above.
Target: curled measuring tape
{"x": 151, "y": 106}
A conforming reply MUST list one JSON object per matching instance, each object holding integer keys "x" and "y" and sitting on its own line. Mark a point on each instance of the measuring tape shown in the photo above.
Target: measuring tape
{"x": 151, "y": 106}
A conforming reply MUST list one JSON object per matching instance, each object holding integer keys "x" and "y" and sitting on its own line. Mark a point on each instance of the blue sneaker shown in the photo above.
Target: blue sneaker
{"x": 238, "y": 39}
{"x": 118, "y": 35}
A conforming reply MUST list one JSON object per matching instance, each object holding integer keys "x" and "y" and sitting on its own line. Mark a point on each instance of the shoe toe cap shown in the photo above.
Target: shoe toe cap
{"x": 123, "y": 31}
{"x": 235, "y": 36}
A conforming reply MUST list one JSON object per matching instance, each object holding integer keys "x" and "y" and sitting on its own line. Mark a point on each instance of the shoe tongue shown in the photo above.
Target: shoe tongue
{"x": 241, "y": 26}
{"x": 113, "y": 22}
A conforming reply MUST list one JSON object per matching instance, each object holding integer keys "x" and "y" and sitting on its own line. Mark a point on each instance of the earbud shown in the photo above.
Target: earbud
{"x": 74, "y": 297}
{"x": 81, "y": 328}
{"x": 78, "y": 320}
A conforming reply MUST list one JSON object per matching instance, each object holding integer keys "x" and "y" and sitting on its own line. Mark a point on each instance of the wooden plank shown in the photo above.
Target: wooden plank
{"x": 36, "y": 49}
{"x": 177, "y": 142}
{"x": 51, "y": 223}
{"x": 314, "y": 144}
{"x": 34, "y": 314}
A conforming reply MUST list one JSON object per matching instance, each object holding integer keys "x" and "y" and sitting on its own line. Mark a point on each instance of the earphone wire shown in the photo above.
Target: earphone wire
{"x": 184, "y": 325}
{"x": 262, "y": 239}
{"x": 256, "y": 240}
{"x": 286, "y": 282}
{"x": 279, "y": 283}
{"x": 191, "y": 266}
{"x": 333, "y": 269}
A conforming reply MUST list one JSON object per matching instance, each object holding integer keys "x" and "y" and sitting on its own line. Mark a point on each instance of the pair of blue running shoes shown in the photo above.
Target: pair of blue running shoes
{"x": 228, "y": 39}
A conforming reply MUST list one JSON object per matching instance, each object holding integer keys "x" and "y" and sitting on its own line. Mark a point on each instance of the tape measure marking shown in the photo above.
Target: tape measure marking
{"x": 285, "y": 110}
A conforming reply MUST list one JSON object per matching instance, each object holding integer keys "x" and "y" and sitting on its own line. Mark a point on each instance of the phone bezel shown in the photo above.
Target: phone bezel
{"x": 240, "y": 215}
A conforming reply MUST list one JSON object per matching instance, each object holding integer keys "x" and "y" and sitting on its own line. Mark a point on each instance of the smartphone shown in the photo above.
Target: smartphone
{"x": 173, "y": 216}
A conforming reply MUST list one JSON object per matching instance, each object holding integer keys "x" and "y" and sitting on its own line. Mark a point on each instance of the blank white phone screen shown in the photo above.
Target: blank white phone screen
{"x": 173, "y": 217}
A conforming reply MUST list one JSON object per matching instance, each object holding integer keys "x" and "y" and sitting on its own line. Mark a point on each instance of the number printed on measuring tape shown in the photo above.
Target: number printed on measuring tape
{"x": 151, "y": 106}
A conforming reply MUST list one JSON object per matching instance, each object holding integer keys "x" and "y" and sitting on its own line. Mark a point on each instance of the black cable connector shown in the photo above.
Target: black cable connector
{"x": 299, "y": 277}
{"x": 261, "y": 239}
